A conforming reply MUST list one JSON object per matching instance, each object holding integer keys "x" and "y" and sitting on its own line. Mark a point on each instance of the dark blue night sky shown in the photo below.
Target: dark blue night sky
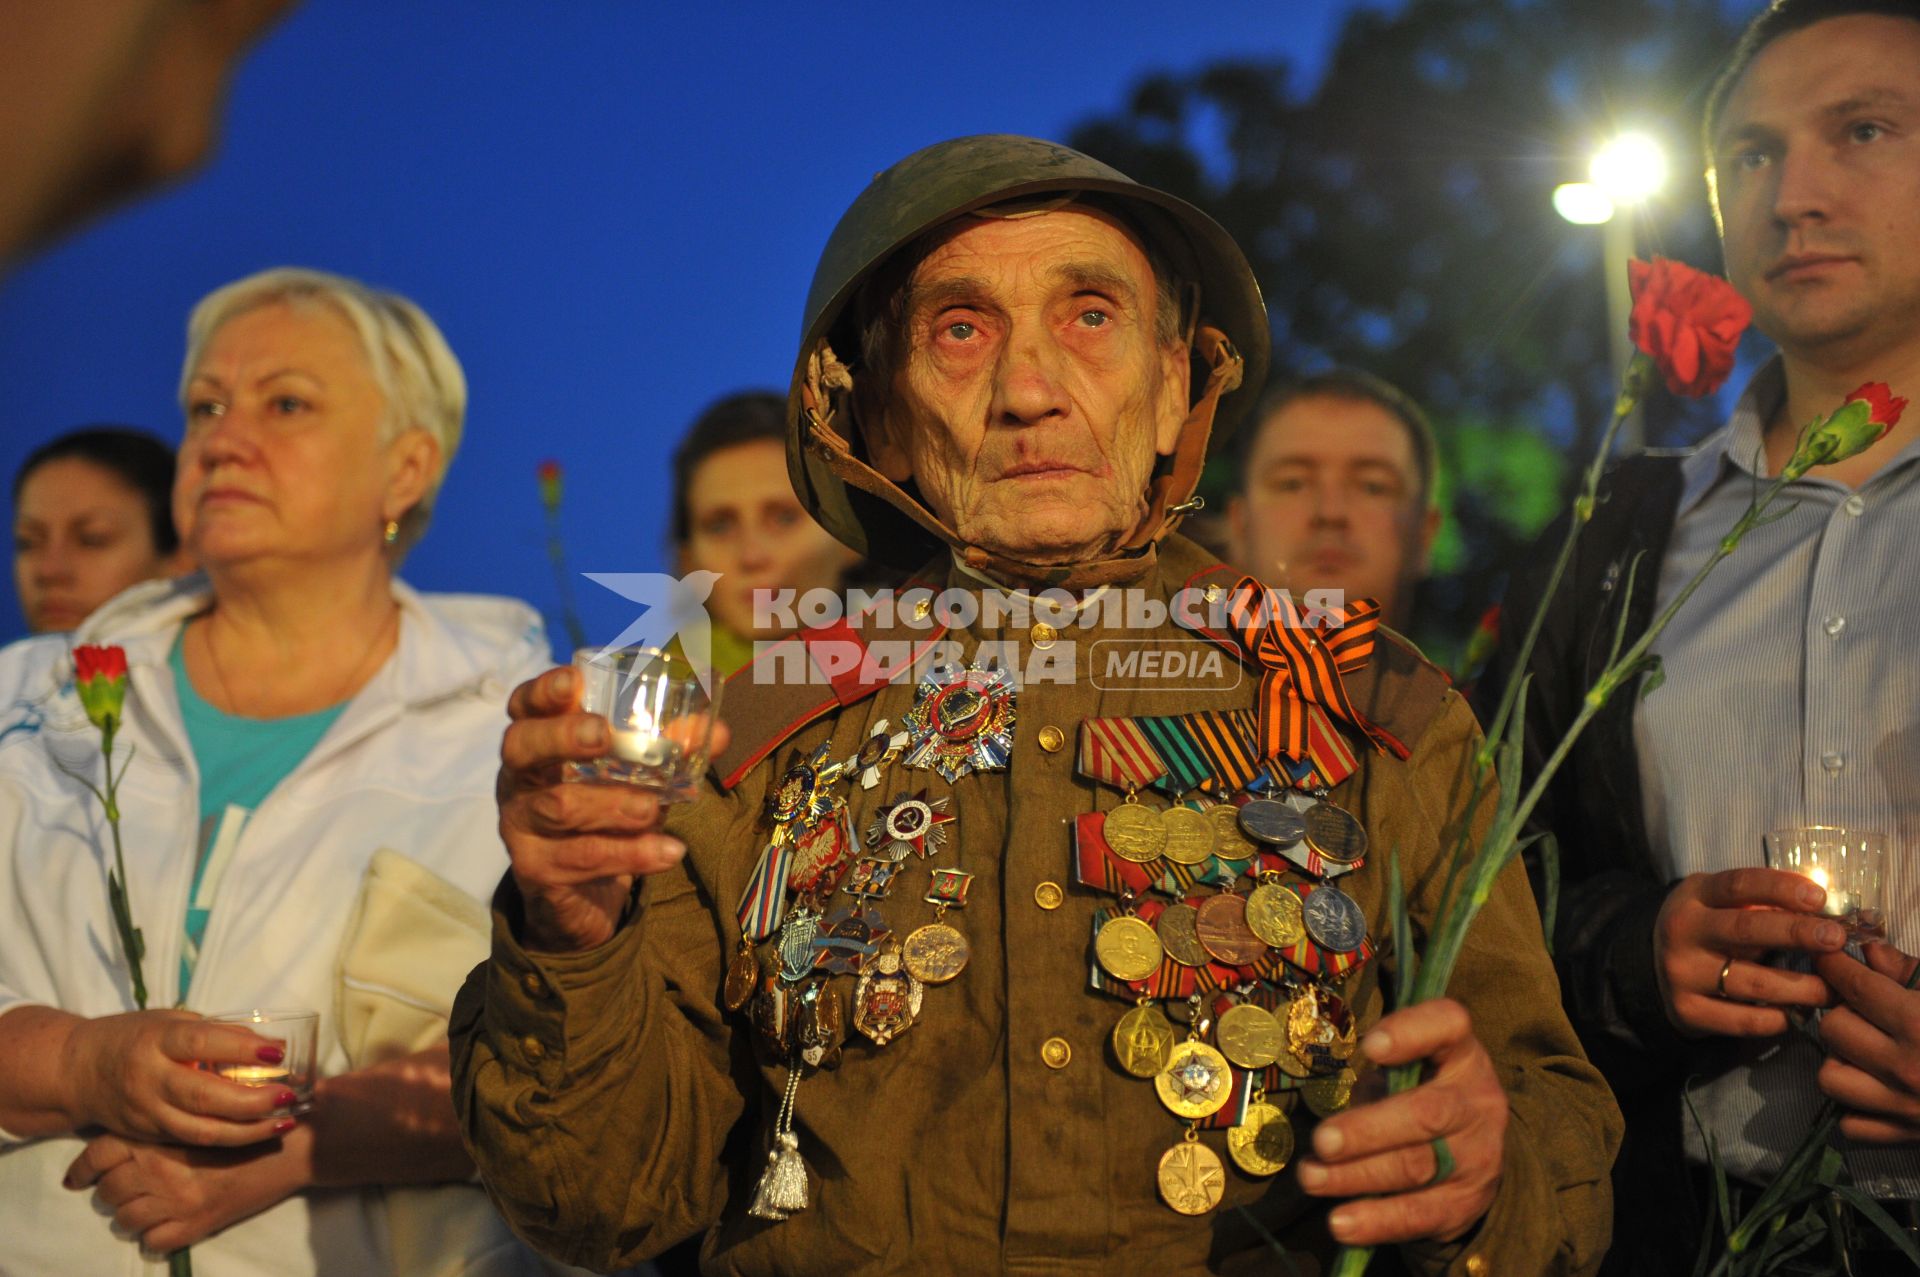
{"x": 612, "y": 208}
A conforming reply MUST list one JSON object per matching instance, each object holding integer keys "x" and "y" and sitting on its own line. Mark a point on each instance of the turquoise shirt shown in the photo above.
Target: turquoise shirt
{"x": 241, "y": 760}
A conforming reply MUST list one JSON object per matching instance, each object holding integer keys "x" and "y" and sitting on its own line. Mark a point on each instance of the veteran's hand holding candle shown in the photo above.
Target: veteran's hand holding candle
{"x": 577, "y": 848}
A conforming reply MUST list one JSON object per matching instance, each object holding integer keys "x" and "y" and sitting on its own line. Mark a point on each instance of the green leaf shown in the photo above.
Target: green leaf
{"x": 1879, "y": 1219}
{"x": 1654, "y": 674}
{"x": 1406, "y": 960}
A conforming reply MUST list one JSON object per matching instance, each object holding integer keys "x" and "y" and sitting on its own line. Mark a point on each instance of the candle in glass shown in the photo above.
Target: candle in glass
{"x": 1845, "y": 863}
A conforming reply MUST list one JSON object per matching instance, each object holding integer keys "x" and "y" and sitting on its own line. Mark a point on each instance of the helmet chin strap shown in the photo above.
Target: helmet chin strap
{"x": 829, "y": 384}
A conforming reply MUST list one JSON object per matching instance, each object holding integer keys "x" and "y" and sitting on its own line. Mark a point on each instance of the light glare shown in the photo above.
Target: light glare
{"x": 1582, "y": 203}
{"x": 1629, "y": 168}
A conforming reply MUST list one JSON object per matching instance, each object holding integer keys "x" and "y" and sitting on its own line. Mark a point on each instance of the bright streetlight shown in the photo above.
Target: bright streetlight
{"x": 1624, "y": 172}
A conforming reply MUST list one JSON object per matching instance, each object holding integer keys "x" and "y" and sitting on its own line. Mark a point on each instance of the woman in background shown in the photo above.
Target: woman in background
{"x": 735, "y": 513}
{"x": 308, "y": 820}
{"x": 91, "y": 516}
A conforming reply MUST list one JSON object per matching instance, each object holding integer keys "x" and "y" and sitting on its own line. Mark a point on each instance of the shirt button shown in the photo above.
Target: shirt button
{"x": 1048, "y": 895}
{"x": 1834, "y": 624}
{"x": 1052, "y": 738}
{"x": 535, "y": 1049}
{"x": 534, "y": 985}
{"x": 1043, "y": 635}
{"x": 1855, "y": 505}
{"x": 1833, "y": 762}
{"x": 1055, "y": 1053}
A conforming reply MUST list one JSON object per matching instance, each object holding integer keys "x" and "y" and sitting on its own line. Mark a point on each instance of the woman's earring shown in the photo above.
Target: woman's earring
{"x": 392, "y": 531}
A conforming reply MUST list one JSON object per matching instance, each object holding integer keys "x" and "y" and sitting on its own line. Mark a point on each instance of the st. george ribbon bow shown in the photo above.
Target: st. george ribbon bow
{"x": 1304, "y": 665}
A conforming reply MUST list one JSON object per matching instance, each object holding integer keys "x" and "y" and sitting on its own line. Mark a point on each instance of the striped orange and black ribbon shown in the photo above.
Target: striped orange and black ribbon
{"x": 1304, "y": 665}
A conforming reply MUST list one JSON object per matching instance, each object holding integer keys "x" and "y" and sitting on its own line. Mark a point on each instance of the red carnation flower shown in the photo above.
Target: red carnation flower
{"x": 1688, "y": 322}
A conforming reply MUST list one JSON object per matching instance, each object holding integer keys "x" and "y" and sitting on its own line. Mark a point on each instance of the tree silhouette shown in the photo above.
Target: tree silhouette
{"x": 1398, "y": 216}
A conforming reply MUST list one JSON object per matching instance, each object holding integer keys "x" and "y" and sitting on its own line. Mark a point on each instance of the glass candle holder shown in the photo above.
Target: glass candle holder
{"x": 662, "y": 719}
{"x": 1849, "y": 863}
{"x": 298, "y": 1033}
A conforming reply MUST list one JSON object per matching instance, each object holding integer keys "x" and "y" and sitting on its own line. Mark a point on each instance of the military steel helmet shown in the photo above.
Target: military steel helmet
{"x": 825, "y": 453}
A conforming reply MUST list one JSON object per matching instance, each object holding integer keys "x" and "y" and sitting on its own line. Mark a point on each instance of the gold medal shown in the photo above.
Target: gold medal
{"x": 1291, "y": 1064}
{"x": 1127, "y": 949}
{"x": 1189, "y": 833}
{"x": 1263, "y": 1142}
{"x": 1197, "y": 1081}
{"x": 1134, "y": 832}
{"x": 743, "y": 977}
{"x": 1249, "y": 1036}
{"x": 1192, "y": 1180}
{"x": 1229, "y": 843}
{"x": 1179, "y": 936}
{"x": 1328, "y": 1095}
{"x": 1274, "y": 914}
{"x": 936, "y": 953}
{"x": 1143, "y": 1041}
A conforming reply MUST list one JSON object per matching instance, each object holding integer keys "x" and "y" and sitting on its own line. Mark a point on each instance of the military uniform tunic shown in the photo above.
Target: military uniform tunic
{"x": 615, "y": 1107}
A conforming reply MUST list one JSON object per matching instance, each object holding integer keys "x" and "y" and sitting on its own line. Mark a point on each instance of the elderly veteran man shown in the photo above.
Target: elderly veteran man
{"x": 972, "y": 973}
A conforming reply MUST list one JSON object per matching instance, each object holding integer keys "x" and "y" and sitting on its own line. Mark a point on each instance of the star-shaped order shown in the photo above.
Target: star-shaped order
{"x": 912, "y": 820}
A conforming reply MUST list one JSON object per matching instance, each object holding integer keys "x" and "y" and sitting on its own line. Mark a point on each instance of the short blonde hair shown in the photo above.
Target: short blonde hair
{"x": 418, "y": 375}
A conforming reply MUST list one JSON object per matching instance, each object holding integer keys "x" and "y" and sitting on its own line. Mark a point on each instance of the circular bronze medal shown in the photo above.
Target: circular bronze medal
{"x": 1143, "y": 1041}
{"x": 1222, "y": 924}
{"x": 1328, "y": 1095}
{"x": 1229, "y": 843}
{"x": 1263, "y": 1142}
{"x": 1334, "y": 920}
{"x": 1197, "y": 1081}
{"x": 1127, "y": 949}
{"x": 1274, "y": 914}
{"x": 935, "y": 953}
{"x": 1177, "y": 929}
{"x": 1249, "y": 1036}
{"x": 1189, "y": 835}
{"x": 1192, "y": 1180}
{"x": 1271, "y": 821}
{"x": 1334, "y": 833}
{"x": 1134, "y": 832}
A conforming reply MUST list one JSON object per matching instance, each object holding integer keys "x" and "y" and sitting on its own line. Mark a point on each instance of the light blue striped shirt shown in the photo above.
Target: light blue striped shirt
{"x": 1792, "y": 697}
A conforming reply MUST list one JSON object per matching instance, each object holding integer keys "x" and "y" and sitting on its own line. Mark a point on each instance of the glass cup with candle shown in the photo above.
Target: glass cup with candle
{"x": 662, "y": 718}
{"x": 298, "y": 1033}
{"x": 1849, "y": 863}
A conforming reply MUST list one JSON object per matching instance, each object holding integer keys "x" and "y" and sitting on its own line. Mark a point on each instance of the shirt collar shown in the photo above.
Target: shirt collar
{"x": 1741, "y": 443}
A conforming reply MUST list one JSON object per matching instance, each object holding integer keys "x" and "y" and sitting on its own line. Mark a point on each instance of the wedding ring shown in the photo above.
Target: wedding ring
{"x": 1720, "y": 985}
{"x": 1442, "y": 1161}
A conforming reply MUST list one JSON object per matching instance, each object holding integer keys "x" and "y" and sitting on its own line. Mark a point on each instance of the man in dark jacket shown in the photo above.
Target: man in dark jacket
{"x": 1785, "y": 698}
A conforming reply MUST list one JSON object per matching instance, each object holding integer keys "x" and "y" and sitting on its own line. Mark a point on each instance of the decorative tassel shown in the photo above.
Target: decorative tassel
{"x": 782, "y": 1190}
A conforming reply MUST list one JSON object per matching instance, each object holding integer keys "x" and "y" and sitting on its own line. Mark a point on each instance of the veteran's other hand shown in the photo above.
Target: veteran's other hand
{"x": 576, "y": 848}
{"x": 1711, "y": 933}
{"x": 1874, "y": 1037}
{"x": 1384, "y": 1151}
{"x": 170, "y": 1197}
{"x": 138, "y": 1074}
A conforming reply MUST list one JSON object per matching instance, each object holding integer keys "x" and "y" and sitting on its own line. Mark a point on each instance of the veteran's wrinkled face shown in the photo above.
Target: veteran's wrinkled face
{"x": 1032, "y": 393}
{"x": 1816, "y": 167}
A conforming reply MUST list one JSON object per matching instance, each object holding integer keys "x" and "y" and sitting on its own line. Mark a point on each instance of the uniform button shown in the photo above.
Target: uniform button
{"x": 1476, "y": 1266}
{"x": 1043, "y": 635}
{"x": 535, "y": 1049}
{"x": 1048, "y": 895}
{"x": 1052, "y": 738}
{"x": 1834, "y": 624}
{"x": 534, "y": 985}
{"x": 1055, "y": 1053}
{"x": 921, "y": 607}
{"x": 1213, "y": 594}
{"x": 1855, "y": 505}
{"x": 1833, "y": 762}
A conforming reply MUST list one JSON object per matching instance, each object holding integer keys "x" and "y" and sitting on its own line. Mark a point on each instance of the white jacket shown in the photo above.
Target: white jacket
{"x": 408, "y": 766}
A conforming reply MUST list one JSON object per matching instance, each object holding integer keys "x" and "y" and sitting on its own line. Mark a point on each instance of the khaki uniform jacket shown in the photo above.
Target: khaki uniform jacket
{"x": 614, "y": 1107}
